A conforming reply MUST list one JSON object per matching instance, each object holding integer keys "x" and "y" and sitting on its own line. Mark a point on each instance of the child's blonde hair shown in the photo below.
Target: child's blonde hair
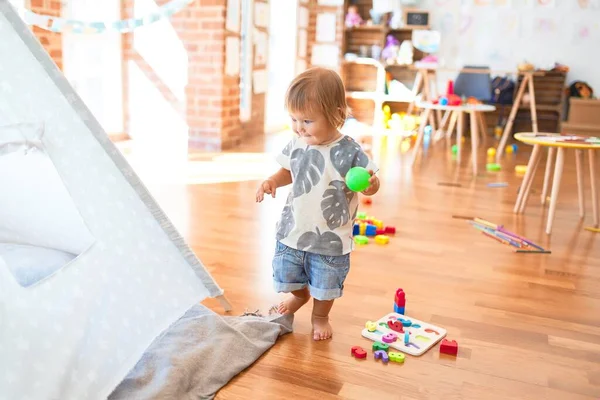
{"x": 319, "y": 90}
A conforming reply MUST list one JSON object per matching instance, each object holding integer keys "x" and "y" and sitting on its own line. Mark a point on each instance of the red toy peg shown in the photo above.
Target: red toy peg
{"x": 400, "y": 298}
{"x": 358, "y": 352}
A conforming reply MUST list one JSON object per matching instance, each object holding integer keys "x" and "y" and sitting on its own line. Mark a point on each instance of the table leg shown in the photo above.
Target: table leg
{"x": 482, "y": 127}
{"x": 474, "y": 140}
{"x": 592, "y": 157}
{"x": 549, "y": 163}
{"x": 558, "y": 169}
{"x": 511, "y": 118}
{"x": 528, "y": 176}
{"x": 528, "y": 187}
{"x": 424, "y": 117}
{"x": 532, "y": 106}
{"x": 451, "y": 125}
{"x": 415, "y": 91}
{"x": 459, "y": 135}
{"x": 579, "y": 166}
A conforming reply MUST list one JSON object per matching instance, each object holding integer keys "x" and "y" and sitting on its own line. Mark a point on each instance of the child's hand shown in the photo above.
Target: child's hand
{"x": 269, "y": 187}
{"x": 373, "y": 185}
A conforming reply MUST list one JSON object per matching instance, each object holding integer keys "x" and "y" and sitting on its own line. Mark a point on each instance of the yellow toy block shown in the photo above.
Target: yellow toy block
{"x": 363, "y": 229}
{"x": 382, "y": 239}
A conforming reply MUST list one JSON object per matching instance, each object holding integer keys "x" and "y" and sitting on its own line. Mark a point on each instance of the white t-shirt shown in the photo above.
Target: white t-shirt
{"x": 319, "y": 212}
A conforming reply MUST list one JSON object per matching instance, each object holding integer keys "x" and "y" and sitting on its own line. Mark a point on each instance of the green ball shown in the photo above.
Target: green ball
{"x": 357, "y": 179}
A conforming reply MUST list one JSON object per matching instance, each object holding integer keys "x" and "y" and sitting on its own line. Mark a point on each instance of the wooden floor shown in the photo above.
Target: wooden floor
{"x": 528, "y": 325}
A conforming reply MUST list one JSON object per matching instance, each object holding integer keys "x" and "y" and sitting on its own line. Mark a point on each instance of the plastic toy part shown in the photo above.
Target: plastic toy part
{"x": 371, "y": 326}
{"x": 371, "y": 230}
{"x": 360, "y": 239}
{"x": 406, "y": 338}
{"x": 454, "y": 149}
{"x": 380, "y": 346}
{"x": 398, "y": 310}
{"x": 396, "y": 326}
{"x": 380, "y": 354}
{"x": 367, "y": 200}
{"x": 491, "y": 152}
{"x": 428, "y": 128}
{"x": 380, "y": 232}
{"x": 389, "y": 337}
{"x": 361, "y": 215}
{"x": 493, "y": 167}
{"x": 449, "y": 347}
{"x": 520, "y": 169}
{"x": 382, "y": 239}
{"x": 400, "y": 298}
{"x": 356, "y": 230}
{"x": 390, "y": 230}
{"x": 358, "y": 352}
{"x": 357, "y": 179}
{"x": 396, "y": 357}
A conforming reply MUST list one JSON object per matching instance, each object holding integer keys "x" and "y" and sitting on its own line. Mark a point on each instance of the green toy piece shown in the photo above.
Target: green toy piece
{"x": 380, "y": 346}
{"x": 357, "y": 179}
{"x": 493, "y": 167}
{"x": 361, "y": 239}
{"x": 454, "y": 149}
{"x": 361, "y": 215}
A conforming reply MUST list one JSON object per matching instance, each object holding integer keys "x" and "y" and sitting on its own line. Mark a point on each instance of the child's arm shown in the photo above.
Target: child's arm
{"x": 281, "y": 178}
{"x": 373, "y": 185}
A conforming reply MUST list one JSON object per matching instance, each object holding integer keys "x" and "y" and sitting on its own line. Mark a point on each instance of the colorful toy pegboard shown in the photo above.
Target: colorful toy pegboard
{"x": 422, "y": 336}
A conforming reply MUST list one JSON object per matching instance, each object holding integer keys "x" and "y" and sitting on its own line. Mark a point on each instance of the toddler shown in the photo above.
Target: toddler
{"x": 314, "y": 233}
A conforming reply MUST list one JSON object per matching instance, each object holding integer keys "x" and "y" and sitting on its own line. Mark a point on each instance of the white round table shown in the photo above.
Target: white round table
{"x": 456, "y": 112}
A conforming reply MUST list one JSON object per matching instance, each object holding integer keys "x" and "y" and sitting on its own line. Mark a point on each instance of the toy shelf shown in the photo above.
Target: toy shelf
{"x": 365, "y": 77}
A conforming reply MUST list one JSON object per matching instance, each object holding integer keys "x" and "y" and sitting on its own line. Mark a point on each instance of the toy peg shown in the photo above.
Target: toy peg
{"x": 396, "y": 357}
{"x": 371, "y": 326}
{"x": 380, "y": 346}
{"x": 358, "y": 352}
{"x": 380, "y": 354}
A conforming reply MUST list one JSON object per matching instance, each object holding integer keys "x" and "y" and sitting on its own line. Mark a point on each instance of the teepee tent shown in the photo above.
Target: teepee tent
{"x": 91, "y": 270}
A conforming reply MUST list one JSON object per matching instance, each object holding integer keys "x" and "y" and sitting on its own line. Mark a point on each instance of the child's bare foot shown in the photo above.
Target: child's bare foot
{"x": 294, "y": 302}
{"x": 321, "y": 328}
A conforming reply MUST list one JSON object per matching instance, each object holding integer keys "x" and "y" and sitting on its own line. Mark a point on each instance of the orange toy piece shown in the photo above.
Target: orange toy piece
{"x": 367, "y": 200}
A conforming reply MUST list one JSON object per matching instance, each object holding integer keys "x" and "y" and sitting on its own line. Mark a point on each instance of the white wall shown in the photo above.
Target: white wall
{"x": 503, "y": 33}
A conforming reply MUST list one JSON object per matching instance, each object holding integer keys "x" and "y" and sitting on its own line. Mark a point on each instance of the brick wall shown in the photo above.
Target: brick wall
{"x": 51, "y": 41}
{"x": 212, "y": 101}
{"x": 314, "y": 8}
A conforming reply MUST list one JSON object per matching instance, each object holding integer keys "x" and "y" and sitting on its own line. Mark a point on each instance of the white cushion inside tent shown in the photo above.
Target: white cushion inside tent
{"x": 36, "y": 209}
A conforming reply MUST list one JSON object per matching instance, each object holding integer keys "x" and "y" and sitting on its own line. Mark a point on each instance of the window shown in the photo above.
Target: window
{"x": 246, "y": 61}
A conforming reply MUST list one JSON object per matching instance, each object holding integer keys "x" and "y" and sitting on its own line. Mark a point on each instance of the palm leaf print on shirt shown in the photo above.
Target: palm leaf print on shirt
{"x": 336, "y": 204}
{"x": 307, "y": 168}
{"x": 347, "y": 154}
{"x": 327, "y": 243}
{"x": 287, "y": 222}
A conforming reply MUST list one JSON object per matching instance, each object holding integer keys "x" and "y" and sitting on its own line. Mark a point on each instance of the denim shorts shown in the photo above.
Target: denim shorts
{"x": 295, "y": 269}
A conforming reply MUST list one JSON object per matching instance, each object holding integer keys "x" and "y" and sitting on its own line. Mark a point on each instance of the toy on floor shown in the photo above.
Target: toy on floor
{"x": 353, "y": 18}
{"x": 449, "y": 347}
{"x": 357, "y": 179}
{"x": 504, "y": 236}
{"x": 365, "y": 227}
{"x": 399, "y": 301}
{"x": 358, "y": 352}
{"x": 421, "y": 335}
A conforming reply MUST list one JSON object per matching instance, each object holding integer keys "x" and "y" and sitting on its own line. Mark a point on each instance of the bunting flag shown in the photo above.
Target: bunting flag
{"x": 59, "y": 24}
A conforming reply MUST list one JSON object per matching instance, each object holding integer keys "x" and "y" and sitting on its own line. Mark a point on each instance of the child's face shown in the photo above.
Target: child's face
{"x": 313, "y": 127}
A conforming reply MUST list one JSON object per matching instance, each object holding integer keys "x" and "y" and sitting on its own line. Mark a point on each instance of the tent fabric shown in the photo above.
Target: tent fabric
{"x": 200, "y": 354}
{"x": 77, "y": 334}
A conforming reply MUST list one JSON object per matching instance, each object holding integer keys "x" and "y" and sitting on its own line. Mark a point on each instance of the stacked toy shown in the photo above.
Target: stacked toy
{"x": 366, "y": 226}
{"x": 399, "y": 301}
